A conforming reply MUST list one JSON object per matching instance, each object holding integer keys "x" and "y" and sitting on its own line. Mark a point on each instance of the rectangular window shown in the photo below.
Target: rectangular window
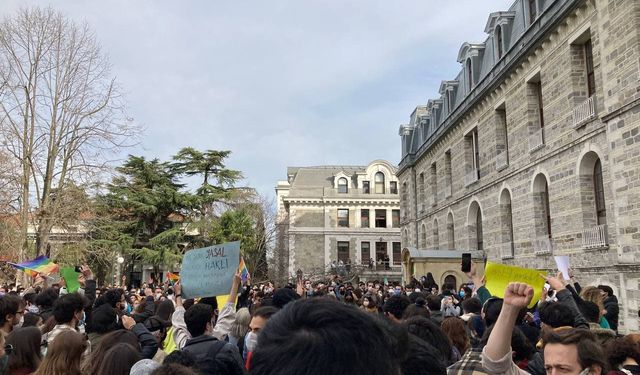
{"x": 393, "y": 187}
{"x": 447, "y": 171}
{"x": 533, "y": 11}
{"x": 365, "y": 252}
{"x": 472, "y": 157}
{"x": 588, "y": 58}
{"x": 397, "y": 254}
{"x": 365, "y": 187}
{"x": 343, "y": 218}
{"x": 364, "y": 218}
{"x": 538, "y": 93}
{"x": 343, "y": 251}
{"x": 381, "y": 218}
{"x": 395, "y": 218}
{"x": 382, "y": 258}
{"x": 434, "y": 184}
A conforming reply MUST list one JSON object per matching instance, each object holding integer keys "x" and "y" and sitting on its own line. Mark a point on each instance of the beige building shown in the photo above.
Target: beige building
{"x": 339, "y": 217}
{"x": 533, "y": 149}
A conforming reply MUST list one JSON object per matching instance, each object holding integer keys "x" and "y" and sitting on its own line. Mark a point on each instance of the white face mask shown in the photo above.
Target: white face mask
{"x": 251, "y": 341}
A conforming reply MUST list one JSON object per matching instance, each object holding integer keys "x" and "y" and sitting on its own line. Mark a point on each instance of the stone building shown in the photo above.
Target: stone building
{"x": 533, "y": 149}
{"x": 339, "y": 216}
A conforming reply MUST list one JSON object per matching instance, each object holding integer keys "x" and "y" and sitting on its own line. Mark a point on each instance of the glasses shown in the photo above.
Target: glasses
{"x": 8, "y": 349}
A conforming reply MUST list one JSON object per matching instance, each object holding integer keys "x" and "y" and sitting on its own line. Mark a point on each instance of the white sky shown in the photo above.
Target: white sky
{"x": 279, "y": 83}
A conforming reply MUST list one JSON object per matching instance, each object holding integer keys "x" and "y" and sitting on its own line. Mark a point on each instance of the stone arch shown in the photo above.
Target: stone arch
{"x": 591, "y": 188}
{"x": 541, "y": 206}
{"x": 423, "y": 236}
{"x": 449, "y": 276}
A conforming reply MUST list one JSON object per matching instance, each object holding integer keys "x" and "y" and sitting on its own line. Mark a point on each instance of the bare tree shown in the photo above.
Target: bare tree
{"x": 60, "y": 112}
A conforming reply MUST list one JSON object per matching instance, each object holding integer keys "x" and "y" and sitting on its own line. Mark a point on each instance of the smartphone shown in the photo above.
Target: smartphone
{"x": 466, "y": 262}
{"x": 78, "y": 269}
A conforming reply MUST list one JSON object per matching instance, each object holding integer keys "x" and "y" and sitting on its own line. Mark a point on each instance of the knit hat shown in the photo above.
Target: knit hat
{"x": 144, "y": 367}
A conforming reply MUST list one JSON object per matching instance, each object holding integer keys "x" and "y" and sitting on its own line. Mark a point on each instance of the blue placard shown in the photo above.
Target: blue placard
{"x": 209, "y": 271}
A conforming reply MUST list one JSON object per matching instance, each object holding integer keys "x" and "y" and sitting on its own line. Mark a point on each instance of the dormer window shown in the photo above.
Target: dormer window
{"x": 499, "y": 42}
{"x": 469, "y": 69}
{"x": 343, "y": 187}
{"x": 533, "y": 10}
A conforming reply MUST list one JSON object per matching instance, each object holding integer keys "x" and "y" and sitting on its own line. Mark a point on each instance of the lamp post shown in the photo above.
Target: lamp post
{"x": 120, "y": 260}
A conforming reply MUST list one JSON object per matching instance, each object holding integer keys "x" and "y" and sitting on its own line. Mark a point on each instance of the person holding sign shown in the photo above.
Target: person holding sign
{"x": 571, "y": 351}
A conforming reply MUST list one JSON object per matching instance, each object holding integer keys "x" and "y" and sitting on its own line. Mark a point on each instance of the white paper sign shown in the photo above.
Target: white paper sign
{"x": 563, "y": 265}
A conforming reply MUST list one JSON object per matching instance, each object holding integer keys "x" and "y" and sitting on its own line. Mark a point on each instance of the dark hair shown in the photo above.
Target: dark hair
{"x": 413, "y": 297}
{"x": 197, "y": 317}
{"x": 395, "y": 305}
{"x": 165, "y": 309}
{"x": 434, "y": 302}
{"x": 283, "y": 296}
{"x": 31, "y": 319}
{"x": 66, "y": 306}
{"x": 590, "y": 311}
{"x": 64, "y": 354}
{"x": 472, "y": 305}
{"x": 119, "y": 359}
{"x": 173, "y": 369}
{"x": 265, "y": 312}
{"x": 589, "y": 351}
{"x": 26, "y": 349}
{"x": 491, "y": 310}
{"x": 9, "y": 305}
{"x": 607, "y": 289}
{"x": 46, "y": 298}
{"x": 113, "y": 296}
{"x": 429, "y": 331}
{"x": 180, "y": 357}
{"x": 556, "y": 315}
{"x": 107, "y": 341}
{"x": 103, "y": 319}
{"x": 422, "y": 359}
{"x": 417, "y": 309}
{"x": 620, "y": 349}
{"x": 300, "y": 338}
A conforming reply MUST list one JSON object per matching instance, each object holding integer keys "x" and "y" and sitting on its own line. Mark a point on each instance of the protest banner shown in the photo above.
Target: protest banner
{"x": 208, "y": 272}
{"x": 563, "y": 265}
{"x": 70, "y": 277}
{"x": 498, "y": 276}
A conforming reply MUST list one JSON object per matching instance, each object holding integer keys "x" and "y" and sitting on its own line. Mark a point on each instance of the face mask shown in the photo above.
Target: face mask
{"x": 158, "y": 295}
{"x": 251, "y": 341}
{"x": 33, "y": 309}
{"x": 461, "y": 293}
{"x": 21, "y": 322}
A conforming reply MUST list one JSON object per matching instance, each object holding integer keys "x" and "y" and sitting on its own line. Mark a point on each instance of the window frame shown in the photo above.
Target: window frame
{"x": 343, "y": 183}
{"x": 363, "y": 259}
{"x": 598, "y": 191}
{"x": 366, "y": 187}
{"x": 376, "y": 212}
{"x": 589, "y": 68}
{"x": 341, "y": 219}
{"x": 395, "y": 218}
{"x": 368, "y": 217}
{"x": 379, "y": 187}
{"x": 341, "y": 245}
{"x": 396, "y": 252}
{"x": 393, "y": 187}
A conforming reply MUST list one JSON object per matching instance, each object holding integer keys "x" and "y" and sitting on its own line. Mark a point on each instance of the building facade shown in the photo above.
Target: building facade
{"x": 339, "y": 216}
{"x": 533, "y": 150}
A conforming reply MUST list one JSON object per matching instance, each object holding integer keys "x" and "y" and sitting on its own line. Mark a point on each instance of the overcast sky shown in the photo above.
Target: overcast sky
{"x": 279, "y": 83}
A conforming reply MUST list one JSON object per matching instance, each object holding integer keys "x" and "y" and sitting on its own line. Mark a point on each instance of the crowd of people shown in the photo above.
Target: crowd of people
{"x": 314, "y": 327}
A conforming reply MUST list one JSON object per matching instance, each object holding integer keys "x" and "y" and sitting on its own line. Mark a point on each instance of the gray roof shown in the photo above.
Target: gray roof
{"x": 320, "y": 176}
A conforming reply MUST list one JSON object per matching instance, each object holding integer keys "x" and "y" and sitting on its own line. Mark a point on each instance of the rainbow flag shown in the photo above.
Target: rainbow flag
{"x": 173, "y": 277}
{"x": 41, "y": 264}
{"x": 242, "y": 268}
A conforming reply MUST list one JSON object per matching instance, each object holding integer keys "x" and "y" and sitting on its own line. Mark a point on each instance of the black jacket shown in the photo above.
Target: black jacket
{"x": 613, "y": 310}
{"x": 214, "y": 356}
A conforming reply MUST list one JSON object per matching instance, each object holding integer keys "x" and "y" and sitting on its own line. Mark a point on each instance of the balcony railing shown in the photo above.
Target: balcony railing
{"x": 502, "y": 161}
{"x": 506, "y": 250}
{"x": 447, "y": 191}
{"x": 536, "y": 140}
{"x": 584, "y": 112}
{"x": 595, "y": 238}
{"x": 471, "y": 177}
{"x": 543, "y": 245}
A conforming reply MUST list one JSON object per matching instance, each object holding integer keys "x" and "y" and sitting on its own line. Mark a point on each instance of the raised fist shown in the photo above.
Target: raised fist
{"x": 518, "y": 295}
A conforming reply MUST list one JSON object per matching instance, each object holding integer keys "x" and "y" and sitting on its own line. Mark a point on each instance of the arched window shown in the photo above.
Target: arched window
{"x": 506, "y": 225}
{"x": 474, "y": 220}
{"x": 499, "y": 41}
{"x": 343, "y": 187}
{"x": 598, "y": 189}
{"x": 450, "y": 283}
{"x": 436, "y": 236}
{"x": 469, "y": 74}
{"x": 479, "y": 234}
{"x": 379, "y": 180}
{"x": 423, "y": 237}
{"x": 451, "y": 238}
{"x": 542, "y": 215}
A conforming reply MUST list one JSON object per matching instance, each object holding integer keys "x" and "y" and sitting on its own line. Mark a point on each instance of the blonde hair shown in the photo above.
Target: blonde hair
{"x": 240, "y": 326}
{"x": 64, "y": 355}
{"x": 593, "y": 294}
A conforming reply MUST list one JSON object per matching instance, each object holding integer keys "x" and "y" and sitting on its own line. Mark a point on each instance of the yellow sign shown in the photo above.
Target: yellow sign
{"x": 498, "y": 276}
{"x": 222, "y": 300}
